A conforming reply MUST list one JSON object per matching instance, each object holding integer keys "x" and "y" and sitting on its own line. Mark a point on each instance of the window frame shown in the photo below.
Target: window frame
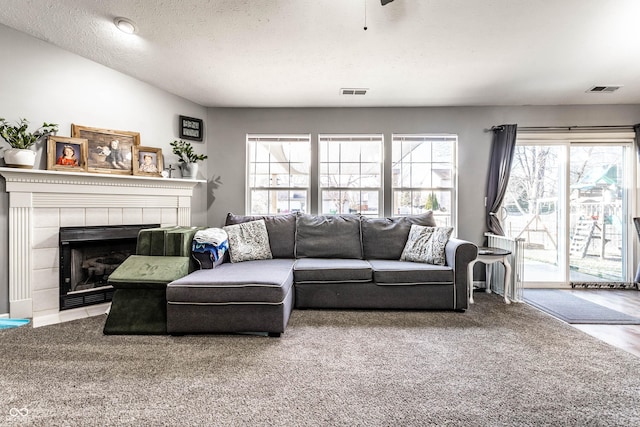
{"x": 250, "y": 187}
{"x": 444, "y": 219}
{"x": 361, "y": 189}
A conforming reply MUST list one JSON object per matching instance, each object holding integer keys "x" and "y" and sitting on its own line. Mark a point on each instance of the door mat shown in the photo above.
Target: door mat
{"x": 12, "y": 323}
{"x": 575, "y": 310}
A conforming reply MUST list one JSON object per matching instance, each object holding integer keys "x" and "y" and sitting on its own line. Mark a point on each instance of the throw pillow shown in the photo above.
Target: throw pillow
{"x": 248, "y": 241}
{"x": 426, "y": 244}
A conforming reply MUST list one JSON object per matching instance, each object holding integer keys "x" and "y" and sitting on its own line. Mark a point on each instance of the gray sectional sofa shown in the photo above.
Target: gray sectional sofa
{"x": 332, "y": 261}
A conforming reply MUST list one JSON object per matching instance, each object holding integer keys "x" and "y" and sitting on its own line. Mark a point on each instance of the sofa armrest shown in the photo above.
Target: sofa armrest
{"x": 459, "y": 253}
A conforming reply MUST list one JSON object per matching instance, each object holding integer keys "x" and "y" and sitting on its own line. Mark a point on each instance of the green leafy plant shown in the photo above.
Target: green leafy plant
{"x": 17, "y": 135}
{"x": 184, "y": 150}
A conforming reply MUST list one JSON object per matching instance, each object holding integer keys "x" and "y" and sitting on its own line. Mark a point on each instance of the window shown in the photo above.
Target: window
{"x": 350, "y": 174}
{"x": 423, "y": 176}
{"x": 278, "y": 173}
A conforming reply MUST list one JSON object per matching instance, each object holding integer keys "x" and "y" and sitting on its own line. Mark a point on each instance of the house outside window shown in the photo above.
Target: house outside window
{"x": 278, "y": 171}
{"x": 350, "y": 174}
{"x": 424, "y": 176}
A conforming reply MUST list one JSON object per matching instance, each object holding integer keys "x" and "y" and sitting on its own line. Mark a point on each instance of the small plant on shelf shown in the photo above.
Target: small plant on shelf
{"x": 18, "y": 137}
{"x": 184, "y": 150}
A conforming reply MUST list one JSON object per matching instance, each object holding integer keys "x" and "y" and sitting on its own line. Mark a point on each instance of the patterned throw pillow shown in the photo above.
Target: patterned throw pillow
{"x": 248, "y": 241}
{"x": 426, "y": 244}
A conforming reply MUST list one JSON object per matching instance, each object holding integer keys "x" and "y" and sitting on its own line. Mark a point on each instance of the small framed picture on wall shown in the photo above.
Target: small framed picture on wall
{"x": 191, "y": 128}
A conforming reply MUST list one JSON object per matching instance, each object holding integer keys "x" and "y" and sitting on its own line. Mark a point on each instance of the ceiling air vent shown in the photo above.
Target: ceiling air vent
{"x": 353, "y": 91}
{"x": 604, "y": 89}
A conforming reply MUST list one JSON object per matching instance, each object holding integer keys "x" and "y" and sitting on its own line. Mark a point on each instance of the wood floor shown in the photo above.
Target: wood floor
{"x": 626, "y": 337}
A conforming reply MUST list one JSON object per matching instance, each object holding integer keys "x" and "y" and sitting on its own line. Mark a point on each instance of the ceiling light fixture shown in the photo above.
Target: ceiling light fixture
{"x": 125, "y": 25}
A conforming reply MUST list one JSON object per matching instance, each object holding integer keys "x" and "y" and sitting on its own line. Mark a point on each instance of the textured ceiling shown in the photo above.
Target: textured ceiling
{"x": 299, "y": 53}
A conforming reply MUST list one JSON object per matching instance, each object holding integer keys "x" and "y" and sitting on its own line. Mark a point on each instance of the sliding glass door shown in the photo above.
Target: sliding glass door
{"x": 598, "y": 205}
{"x": 569, "y": 200}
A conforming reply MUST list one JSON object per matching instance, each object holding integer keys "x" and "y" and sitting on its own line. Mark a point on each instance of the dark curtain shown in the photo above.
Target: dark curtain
{"x": 636, "y": 221}
{"x": 636, "y": 128}
{"x": 502, "y": 149}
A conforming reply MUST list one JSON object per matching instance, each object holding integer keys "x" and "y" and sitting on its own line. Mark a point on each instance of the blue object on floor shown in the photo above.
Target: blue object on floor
{"x": 12, "y": 323}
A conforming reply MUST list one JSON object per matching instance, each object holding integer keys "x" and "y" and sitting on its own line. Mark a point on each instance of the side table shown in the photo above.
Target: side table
{"x": 489, "y": 256}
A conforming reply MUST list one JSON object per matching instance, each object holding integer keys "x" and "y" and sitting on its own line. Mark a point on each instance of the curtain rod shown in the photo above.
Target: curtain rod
{"x": 564, "y": 128}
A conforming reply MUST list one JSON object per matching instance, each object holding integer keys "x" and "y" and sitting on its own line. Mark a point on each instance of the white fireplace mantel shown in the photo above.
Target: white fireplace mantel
{"x": 40, "y": 202}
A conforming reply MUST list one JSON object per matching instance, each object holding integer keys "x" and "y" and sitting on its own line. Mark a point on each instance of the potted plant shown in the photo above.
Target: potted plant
{"x": 188, "y": 158}
{"x": 20, "y": 154}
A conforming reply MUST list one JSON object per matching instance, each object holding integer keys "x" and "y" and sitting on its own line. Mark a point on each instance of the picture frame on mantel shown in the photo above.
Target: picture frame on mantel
{"x": 191, "y": 128}
{"x": 109, "y": 151}
{"x": 67, "y": 154}
{"x": 147, "y": 161}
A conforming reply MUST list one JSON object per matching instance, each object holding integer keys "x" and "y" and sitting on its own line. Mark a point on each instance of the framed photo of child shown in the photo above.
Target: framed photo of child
{"x": 110, "y": 151}
{"x": 147, "y": 161}
{"x": 67, "y": 154}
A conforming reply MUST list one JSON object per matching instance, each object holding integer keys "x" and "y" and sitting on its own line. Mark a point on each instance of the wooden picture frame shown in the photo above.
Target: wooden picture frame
{"x": 67, "y": 154}
{"x": 147, "y": 161}
{"x": 191, "y": 128}
{"x": 109, "y": 151}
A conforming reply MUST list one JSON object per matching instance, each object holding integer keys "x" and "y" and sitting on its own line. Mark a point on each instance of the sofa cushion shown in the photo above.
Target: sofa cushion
{"x": 262, "y": 281}
{"x": 384, "y": 238}
{"x": 426, "y": 244}
{"x": 327, "y": 270}
{"x": 149, "y": 272}
{"x": 281, "y": 230}
{"x": 178, "y": 241}
{"x": 328, "y": 236}
{"x": 390, "y": 272}
{"x": 248, "y": 241}
{"x": 151, "y": 241}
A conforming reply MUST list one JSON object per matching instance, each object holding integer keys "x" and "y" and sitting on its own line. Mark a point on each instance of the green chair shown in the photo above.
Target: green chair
{"x": 139, "y": 304}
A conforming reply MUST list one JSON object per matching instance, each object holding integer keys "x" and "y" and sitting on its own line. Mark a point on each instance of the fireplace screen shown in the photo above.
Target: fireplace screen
{"x": 88, "y": 255}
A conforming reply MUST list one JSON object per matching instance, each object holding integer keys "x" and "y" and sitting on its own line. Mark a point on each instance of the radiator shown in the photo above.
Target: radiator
{"x": 516, "y": 259}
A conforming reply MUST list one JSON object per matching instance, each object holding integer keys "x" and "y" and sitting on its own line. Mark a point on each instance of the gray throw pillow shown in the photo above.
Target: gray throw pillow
{"x": 248, "y": 241}
{"x": 426, "y": 244}
{"x": 281, "y": 230}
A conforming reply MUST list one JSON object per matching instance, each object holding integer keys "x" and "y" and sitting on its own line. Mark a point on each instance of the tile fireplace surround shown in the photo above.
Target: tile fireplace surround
{"x": 40, "y": 202}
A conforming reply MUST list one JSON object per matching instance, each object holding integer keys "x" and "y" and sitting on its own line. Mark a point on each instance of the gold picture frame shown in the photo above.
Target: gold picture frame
{"x": 147, "y": 161}
{"x": 67, "y": 154}
{"x": 109, "y": 151}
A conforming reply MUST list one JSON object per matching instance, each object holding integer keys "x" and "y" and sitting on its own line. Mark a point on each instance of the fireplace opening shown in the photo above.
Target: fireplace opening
{"x": 88, "y": 255}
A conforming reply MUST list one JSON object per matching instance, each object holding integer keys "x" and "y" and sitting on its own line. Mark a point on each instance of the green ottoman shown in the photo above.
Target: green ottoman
{"x": 139, "y": 304}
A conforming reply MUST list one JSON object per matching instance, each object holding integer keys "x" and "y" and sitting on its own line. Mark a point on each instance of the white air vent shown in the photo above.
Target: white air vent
{"x": 604, "y": 89}
{"x": 353, "y": 91}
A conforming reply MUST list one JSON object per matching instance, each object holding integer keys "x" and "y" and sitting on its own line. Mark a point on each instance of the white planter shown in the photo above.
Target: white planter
{"x": 20, "y": 158}
{"x": 189, "y": 170}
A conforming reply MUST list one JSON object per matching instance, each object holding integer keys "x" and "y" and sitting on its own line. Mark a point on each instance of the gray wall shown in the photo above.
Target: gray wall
{"x": 41, "y": 82}
{"x": 229, "y": 128}
{"x": 45, "y": 83}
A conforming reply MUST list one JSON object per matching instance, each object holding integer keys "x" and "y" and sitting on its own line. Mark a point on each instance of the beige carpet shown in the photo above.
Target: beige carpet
{"x": 495, "y": 365}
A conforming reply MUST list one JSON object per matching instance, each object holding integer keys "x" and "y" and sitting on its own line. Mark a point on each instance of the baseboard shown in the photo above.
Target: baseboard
{"x": 4, "y": 316}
